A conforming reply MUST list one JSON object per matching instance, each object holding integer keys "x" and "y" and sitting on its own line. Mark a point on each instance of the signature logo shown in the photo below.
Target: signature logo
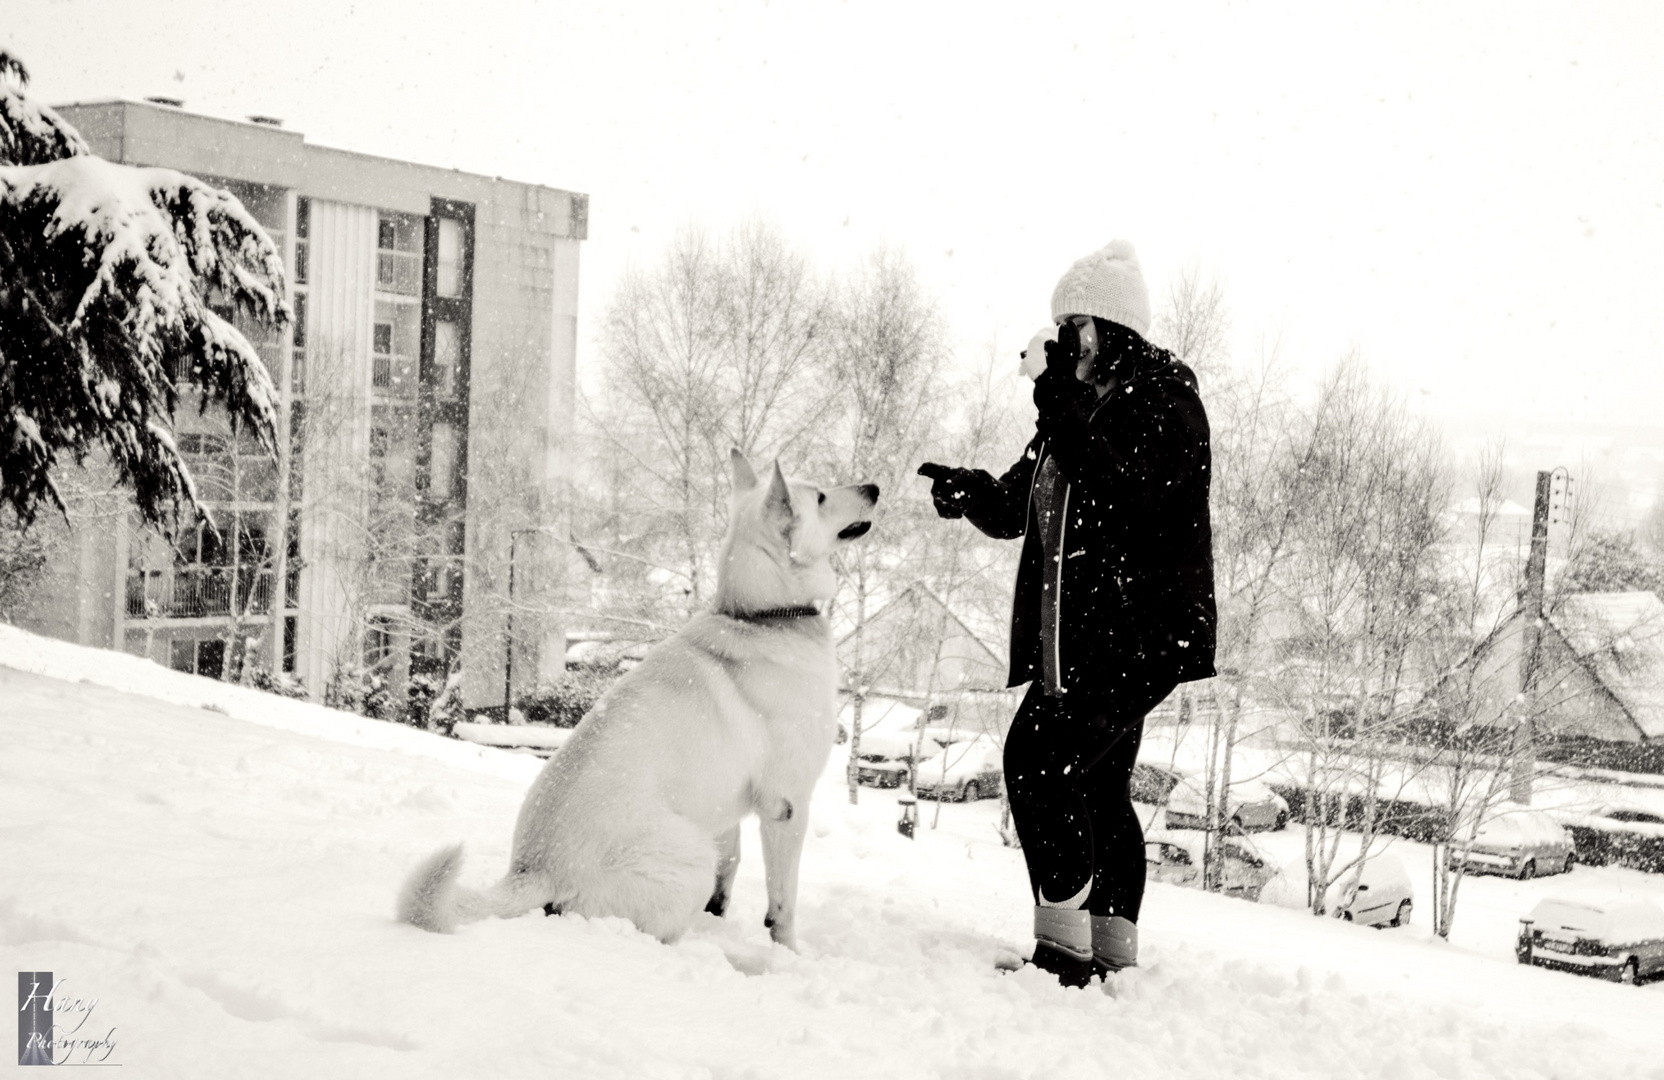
{"x": 54, "y": 1024}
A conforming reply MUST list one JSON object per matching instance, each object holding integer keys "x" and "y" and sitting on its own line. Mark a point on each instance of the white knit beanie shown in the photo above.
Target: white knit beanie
{"x": 1109, "y": 284}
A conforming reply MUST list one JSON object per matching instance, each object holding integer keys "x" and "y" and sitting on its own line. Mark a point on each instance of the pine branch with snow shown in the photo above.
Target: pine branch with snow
{"x": 107, "y": 273}
{"x": 30, "y": 133}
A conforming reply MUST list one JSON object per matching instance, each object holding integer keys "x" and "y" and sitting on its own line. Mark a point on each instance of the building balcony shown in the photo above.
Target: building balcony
{"x": 393, "y": 376}
{"x": 198, "y": 592}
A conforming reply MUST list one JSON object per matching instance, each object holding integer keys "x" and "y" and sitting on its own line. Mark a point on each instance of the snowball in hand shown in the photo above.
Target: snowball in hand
{"x": 1034, "y": 357}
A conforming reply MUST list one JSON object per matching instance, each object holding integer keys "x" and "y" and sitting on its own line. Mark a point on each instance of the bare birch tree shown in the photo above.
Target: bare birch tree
{"x": 888, "y": 356}
{"x": 1368, "y": 498}
{"x": 719, "y": 345}
{"x": 1468, "y": 780}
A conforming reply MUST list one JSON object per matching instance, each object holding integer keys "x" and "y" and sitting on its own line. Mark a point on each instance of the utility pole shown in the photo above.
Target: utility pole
{"x": 1531, "y": 644}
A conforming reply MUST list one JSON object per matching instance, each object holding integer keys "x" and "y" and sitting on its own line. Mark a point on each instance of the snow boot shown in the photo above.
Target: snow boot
{"x": 1063, "y": 944}
{"x": 1114, "y": 943}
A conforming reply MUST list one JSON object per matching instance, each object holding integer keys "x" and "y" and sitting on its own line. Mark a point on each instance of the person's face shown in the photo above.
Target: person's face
{"x": 1088, "y": 345}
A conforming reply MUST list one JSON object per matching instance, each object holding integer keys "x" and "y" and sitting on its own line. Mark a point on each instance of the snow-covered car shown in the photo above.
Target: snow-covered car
{"x": 889, "y": 731}
{"x": 875, "y": 771}
{"x": 1378, "y": 893}
{"x": 1520, "y": 843}
{"x": 1252, "y": 807}
{"x": 973, "y": 771}
{"x": 1621, "y": 940}
{"x": 1176, "y": 858}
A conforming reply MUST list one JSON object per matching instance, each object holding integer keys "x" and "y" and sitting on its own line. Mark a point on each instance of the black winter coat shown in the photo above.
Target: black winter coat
{"x": 1135, "y": 578}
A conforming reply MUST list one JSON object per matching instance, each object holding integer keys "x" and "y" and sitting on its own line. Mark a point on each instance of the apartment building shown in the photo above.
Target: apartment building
{"x": 427, "y": 395}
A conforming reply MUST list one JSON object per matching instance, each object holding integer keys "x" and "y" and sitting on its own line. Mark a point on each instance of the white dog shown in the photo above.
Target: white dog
{"x": 638, "y": 814}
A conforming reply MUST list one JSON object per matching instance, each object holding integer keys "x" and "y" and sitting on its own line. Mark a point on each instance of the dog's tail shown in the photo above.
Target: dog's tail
{"x": 432, "y": 900}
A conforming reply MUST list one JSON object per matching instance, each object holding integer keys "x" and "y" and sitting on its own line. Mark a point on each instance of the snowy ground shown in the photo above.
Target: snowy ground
{"x": 221, "y": 879}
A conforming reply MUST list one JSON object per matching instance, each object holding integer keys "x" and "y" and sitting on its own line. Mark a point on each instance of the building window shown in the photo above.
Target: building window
{"x": 290, "y": 627}
{"x": 297, "y": 357}
{"x": 395, "y": 345}
{"x": 199, "y": 442}
{"x": 451, "y": 262}
{"x": 198, "y": 657}
{"x": 399, "y": 254}
{"x": 297, "y": 449}
{"x": 380, "y": 440}
{"x": 303, "y": 235}
{"x": 381, "y": 360}
{"x": 447, "y": 355}
{"x": 378, "y": 642}
{"x": 442, "y": 461}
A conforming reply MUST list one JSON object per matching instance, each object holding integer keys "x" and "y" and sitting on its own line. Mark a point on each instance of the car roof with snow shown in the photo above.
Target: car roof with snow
{"x": 1614, "y": 921}
{"x": 1522, "y": 825}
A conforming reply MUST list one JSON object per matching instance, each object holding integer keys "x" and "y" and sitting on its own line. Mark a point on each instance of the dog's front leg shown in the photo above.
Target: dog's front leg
{"x": 782, "y": 848}
{"x": 727, "y": 865}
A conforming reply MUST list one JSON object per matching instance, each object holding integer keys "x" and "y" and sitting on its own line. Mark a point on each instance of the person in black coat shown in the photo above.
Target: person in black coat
{"x": 1114, "y": 602}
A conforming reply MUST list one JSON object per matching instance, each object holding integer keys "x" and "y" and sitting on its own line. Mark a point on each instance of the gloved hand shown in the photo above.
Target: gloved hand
{"x": 1063, "y": 354}
{"x": 951, "y": 489}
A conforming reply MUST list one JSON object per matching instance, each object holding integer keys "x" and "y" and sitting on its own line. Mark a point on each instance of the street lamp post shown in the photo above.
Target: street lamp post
{"x": 508, "y": 640}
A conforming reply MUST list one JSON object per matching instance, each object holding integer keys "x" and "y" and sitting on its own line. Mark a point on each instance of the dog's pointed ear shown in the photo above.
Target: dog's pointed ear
{"x": 778, "y": 503}
{"x": 740, "y": 471}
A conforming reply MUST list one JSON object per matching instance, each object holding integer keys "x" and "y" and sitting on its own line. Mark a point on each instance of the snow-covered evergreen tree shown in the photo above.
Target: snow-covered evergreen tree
{"x": 107, "y": 274}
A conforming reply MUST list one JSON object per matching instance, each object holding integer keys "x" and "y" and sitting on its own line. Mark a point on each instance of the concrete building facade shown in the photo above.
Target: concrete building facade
{"x": 427, "y": 397}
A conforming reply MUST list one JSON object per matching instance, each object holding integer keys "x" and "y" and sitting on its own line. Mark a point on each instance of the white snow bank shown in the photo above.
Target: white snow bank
{"x": 24, "y": 651}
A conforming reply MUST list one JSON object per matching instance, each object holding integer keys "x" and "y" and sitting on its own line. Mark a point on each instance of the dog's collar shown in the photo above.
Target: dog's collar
{"x": 801, "y": 611}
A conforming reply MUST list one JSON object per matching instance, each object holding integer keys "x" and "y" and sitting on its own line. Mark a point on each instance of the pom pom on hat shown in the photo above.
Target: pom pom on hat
{"x": 1108, "y": 284}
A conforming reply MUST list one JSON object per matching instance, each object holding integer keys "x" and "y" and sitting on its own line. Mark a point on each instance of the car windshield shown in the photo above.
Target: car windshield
{"x": 1509, "y": 829}
{"x": 1616, "y": 924}
{"x": 1568, "y": 915}
{"x": 1382, "y": 869}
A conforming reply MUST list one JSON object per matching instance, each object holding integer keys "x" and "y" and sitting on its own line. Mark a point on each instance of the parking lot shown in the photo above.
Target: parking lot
{"x": 1488, "y": 907}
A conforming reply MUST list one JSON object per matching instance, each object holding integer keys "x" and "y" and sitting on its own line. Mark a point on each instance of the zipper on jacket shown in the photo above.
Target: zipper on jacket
{"x": 1057, "y": 604}
{"x": 1062, "y": 531}
{"x": 1034, "y": 478}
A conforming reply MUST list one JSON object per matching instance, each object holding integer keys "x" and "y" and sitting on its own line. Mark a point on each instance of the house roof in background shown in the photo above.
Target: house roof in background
{"x": 929, "y": 596}
{"x": 1621, "y": 637}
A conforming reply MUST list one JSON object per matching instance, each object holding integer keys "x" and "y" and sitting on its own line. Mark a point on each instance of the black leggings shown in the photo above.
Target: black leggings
{"x": 1069, "y": 796}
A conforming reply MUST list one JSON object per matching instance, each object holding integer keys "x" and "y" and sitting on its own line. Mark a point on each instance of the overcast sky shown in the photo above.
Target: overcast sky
{"x": 1471, "y": 194}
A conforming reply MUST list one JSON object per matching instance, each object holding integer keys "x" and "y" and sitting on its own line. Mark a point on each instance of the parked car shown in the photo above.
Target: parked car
{"x": 1622, "y": 941}
{"x": 875, "y": 771}
{"x": 1177, "y": 859}
{"x": 1521, "y": 843}
{"x": 889, "y": 729}
{"x": 1252, "y": 807}
{"x": 1378, "y": 893}
{"x": 974, "y": 771}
